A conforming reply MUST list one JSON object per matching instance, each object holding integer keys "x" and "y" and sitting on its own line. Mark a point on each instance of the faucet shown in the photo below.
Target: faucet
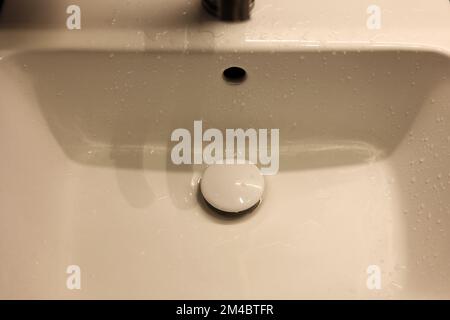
{"x": 229, "y": 10}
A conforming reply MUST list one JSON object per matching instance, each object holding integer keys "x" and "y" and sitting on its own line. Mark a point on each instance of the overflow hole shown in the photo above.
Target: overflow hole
{"x": 235, "y": 75}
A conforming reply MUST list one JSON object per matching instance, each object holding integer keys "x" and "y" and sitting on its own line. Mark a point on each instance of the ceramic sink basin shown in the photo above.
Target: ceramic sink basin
{"x": 87, "y": 179}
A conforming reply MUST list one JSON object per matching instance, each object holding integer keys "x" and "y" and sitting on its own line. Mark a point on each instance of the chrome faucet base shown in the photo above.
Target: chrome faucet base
{"x": 229, "y": 10}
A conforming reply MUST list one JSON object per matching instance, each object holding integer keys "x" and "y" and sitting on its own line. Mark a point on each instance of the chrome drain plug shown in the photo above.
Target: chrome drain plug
{"x": 232, "y": 188}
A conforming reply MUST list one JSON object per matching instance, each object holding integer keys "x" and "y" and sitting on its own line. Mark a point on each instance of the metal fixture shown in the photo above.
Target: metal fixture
{"x": 229, "y": 10}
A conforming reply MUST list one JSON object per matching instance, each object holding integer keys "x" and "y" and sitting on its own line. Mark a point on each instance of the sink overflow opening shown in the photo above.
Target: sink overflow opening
{"x": 235, "y": 75}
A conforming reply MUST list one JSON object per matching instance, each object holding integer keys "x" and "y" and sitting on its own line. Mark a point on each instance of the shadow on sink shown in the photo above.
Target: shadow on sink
{"x": 51, "y": 14}
{"x": 332, "y": 108}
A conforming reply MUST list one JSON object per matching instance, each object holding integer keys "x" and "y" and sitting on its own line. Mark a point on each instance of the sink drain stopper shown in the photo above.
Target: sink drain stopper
{"x": 232, "y": 188}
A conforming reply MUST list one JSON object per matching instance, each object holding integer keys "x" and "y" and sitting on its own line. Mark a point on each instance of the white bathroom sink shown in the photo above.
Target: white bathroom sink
{"x": 87, "y": 179}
